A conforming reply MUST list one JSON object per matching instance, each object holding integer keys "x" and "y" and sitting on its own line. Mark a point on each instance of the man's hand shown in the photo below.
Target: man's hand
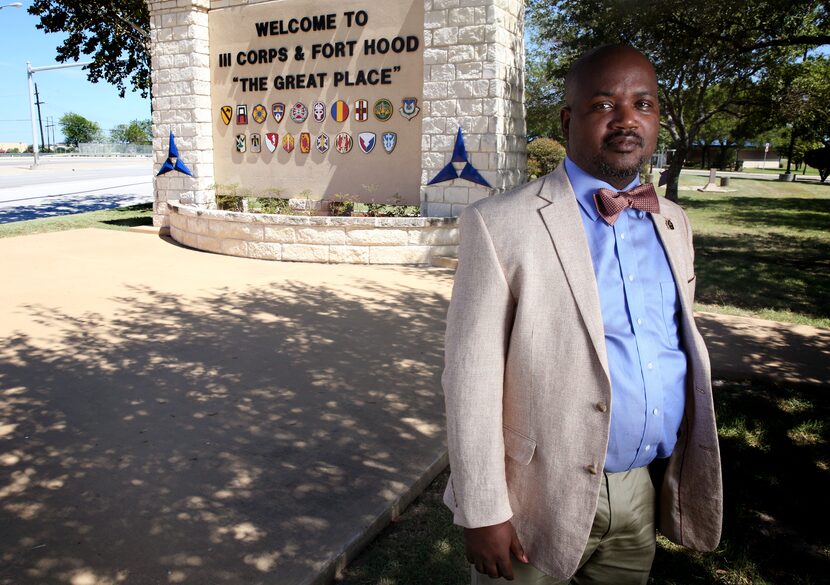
{"x": 489, "y": 548}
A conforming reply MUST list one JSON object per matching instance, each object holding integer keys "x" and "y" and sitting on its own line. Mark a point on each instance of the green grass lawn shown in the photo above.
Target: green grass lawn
{"x": 776, "y": 474}
{"x": 120, "y": 218}
{"x": 762, "y": 250}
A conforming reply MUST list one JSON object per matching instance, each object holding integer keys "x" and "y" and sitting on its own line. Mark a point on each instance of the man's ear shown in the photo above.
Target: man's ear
{"x": 565, "y": 119}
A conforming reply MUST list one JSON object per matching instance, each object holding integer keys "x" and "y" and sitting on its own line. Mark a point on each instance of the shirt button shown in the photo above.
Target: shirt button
{"x": 641, "y": 214}
{"x": 602, "y": 406}
{"x": 630, "y": 277}
{"x": 655, "y": 412}
{"x": 622, "y": 236}
{"x": 592, "y": 469}
{"x": 639, "y": 321}
{"x": 648, "y": 447}
{"x": 650, "y": 366}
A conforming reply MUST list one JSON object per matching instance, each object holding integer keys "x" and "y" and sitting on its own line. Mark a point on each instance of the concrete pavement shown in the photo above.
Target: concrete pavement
{"x": 172, "y": 416}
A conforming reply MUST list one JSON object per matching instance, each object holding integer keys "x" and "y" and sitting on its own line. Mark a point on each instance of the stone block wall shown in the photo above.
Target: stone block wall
{"x": 181, "y": 101}
{"x": 341, "y": 240}
{"x": 473, "y": 79}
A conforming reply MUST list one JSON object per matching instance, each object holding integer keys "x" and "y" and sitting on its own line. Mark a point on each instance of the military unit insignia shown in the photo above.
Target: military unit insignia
{"x": 323, "y": 143}
{"x": 288, "y": 143}
{"x": 242, "y": 114}
{"x": 361, "y": 110}
{"x": 227, "y": 114}
{"x": 390, "y": 140}
{"x": 409, "y": 108}
{"x": 259, "y": 113}
{"x": 305, "y": 142}
{"x": 367, "y": 141}
{"x": 343, "y": 143}
{"x": 383, "y": 109}
{"x": 272, "y": 141}
{"x": 278, "y": 109}
{"x": 460, "y": 155}
{"x": 299, "y": 112}
{"x": 319, "y": 111}
{"x": 340, "y": 111}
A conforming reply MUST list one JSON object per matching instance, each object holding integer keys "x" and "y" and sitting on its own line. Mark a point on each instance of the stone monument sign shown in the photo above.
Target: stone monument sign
{"x": 321, "y": 96}
{"x": 380, "y": 101}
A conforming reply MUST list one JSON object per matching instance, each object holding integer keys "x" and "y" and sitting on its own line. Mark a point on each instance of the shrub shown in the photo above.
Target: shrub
{"x": 341, "y": 205}
{"x": 392, "y": 210}
{"x": 272, "y": 205}
{"x": 543, "y": 156}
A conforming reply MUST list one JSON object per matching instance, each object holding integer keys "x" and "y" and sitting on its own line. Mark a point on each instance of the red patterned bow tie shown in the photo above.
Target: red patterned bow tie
{"x": 611, "y": 203}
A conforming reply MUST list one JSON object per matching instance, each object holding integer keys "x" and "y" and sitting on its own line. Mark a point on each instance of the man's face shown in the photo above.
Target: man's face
{"x": 612, "y": 117}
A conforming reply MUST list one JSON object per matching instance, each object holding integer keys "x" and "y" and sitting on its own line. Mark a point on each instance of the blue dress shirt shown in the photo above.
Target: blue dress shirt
{"x": 640, "y": 314}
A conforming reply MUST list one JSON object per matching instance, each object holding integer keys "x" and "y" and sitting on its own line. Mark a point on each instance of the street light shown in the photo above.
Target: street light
{"x": 12, "y": 5}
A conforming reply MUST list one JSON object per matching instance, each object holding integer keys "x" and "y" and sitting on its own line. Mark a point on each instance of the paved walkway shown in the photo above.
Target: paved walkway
{"x": 172, "y": 416}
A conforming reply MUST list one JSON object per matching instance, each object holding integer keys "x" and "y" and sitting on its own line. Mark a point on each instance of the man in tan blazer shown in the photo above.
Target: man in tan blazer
{"x": 576, "y": 380}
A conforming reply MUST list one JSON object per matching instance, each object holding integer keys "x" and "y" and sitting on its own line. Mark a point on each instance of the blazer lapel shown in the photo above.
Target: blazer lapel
{"x": 674, "y": 243}
{"x": 564, "y": 224}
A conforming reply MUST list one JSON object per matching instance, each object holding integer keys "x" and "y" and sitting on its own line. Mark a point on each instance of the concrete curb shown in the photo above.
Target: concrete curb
{"x": 361, "y": 541}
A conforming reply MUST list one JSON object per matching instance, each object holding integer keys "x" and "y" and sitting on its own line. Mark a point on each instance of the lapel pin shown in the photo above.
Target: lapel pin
{"x": 669, "y": 224}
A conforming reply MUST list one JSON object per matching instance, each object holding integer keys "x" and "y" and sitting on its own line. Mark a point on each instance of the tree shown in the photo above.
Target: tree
{"x": 543, "y": 94}
{"x": 136, "y": 132}
{"x": 77, "y": 129}
{"x": 708, "y": 55}
{"x": 114, "y": 34}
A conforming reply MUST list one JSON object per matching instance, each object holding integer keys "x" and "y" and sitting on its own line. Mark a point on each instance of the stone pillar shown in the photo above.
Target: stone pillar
{"x": 181, "y": 101}
{"x": 473, "y": 78}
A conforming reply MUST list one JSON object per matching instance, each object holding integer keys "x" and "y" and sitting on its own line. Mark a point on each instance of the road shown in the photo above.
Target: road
{"x": 66, "y": 185}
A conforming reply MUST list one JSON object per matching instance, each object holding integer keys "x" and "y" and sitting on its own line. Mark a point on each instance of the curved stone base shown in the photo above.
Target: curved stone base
{"x": 336, "y": 240}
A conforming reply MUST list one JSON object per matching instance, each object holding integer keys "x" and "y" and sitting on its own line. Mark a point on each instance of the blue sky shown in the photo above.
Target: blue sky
{"x": 62, "y": 90}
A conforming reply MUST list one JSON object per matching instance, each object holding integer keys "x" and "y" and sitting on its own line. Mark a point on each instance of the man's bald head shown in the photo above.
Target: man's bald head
{"x": 596, "y": 58}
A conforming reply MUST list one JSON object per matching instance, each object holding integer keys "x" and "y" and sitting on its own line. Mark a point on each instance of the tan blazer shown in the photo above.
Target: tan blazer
{"x": 527, "y": 385}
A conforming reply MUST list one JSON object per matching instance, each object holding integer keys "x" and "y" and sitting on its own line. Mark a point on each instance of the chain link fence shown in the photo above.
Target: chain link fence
{"x": 111, "y": 149}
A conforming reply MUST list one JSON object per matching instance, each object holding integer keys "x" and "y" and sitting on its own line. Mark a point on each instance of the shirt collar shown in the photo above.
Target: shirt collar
{"x": 585, "y": 185}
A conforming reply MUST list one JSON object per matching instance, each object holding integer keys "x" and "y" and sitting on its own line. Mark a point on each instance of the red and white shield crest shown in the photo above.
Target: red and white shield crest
{"x": 272, "y": 141}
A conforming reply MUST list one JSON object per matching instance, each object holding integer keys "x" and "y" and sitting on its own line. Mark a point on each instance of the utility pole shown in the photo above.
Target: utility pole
{"x": 50, "y": 127}
{"x": 39, "y": 119}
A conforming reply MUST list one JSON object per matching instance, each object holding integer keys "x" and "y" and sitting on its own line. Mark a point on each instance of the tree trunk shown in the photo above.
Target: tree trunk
{"x": 673, "y": 172}
{"x": 790, "y": 150}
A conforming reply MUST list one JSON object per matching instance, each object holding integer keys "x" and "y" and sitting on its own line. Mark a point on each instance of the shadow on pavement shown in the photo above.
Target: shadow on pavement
{"x": 68, "y": 206}
{"x": 236, "y": 438}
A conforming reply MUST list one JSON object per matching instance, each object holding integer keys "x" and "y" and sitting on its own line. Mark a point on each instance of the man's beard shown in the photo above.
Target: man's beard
{"x": 616, "y": 172}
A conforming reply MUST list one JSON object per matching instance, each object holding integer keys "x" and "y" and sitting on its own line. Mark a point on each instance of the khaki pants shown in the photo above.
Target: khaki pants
{"x": 622, "y": 543}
